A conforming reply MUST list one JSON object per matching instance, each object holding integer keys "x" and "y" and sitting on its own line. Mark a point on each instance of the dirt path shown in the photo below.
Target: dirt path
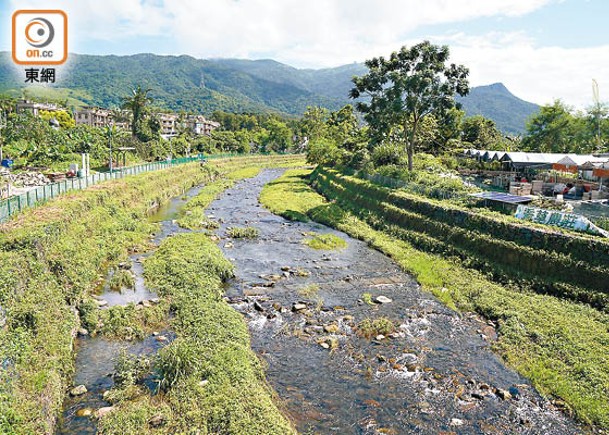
{"x": 434, "y": 373}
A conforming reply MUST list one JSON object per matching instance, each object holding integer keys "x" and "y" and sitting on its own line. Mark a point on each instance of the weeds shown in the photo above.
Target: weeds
{"x": 325, "y": 242}
{"x": 121, "y": 279}
{"x": 309, "y": 291}
{"x": 367, "y": 298}
{"x": 370, "y": 328}
{"x": 242, "y": 232}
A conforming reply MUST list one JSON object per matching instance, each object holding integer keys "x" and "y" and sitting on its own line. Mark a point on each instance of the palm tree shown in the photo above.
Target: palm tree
{"x": 137, "y": 103}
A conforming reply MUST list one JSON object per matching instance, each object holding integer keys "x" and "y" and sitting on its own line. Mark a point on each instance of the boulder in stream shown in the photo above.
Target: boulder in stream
{"x": 382, "y": 300}
{"x": 78, "y": 390}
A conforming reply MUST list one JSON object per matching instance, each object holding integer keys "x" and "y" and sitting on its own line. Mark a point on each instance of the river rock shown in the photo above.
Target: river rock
{"x": 382, "y": 300}
{"x": 125, "y": 265}
{"x": 101, "y": 302}
{"x": 84, "y": 412}
{"x": 299, "y": 307}
{"x": 102, "y": 412}
{"x": 83, "y": 332}
{"x": 331, "y": 328}
{"x": 503, "y": 394}
{"x": 456, "y": 422}
{"x": 78, "y": 390}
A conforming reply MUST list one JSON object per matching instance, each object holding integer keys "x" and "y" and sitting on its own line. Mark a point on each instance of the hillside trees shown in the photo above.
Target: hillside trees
{"x": 558, "y": 128}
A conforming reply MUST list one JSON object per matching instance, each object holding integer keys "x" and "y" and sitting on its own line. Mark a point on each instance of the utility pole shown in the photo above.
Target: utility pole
{"x": 597, "y": 114}
{"x": 110, "y": 128}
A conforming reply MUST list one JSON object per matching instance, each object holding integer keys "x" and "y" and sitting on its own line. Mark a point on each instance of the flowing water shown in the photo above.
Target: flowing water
{"x": 436, "y": 373}
{"x": 96, "y": 356}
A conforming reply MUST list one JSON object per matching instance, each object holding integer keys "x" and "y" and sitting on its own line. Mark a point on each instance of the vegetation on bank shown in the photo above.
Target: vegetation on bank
{"x": 551, "y": 262}
{"x": 562, "y": 346}
{"x": 51, "y": 260}
{"x": 209, "y": 377}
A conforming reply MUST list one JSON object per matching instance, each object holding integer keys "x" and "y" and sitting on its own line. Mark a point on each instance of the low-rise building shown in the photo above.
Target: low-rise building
{"x": 169, "y": 123}
{"x": 202, "y": 126}
{"x": 35, "y": 108}
{"x": 101, "y": 118}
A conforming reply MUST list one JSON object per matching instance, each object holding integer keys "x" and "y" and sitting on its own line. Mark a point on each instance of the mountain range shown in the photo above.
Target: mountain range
{"x": 205, "y": 85}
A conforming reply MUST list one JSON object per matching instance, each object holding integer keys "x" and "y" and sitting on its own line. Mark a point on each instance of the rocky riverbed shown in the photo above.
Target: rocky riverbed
{"x": 353, "y": 345}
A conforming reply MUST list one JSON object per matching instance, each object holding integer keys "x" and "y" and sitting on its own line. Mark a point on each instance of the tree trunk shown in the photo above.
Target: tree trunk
{"x": 410, "y": 142}
{"x": 409, "y": 150}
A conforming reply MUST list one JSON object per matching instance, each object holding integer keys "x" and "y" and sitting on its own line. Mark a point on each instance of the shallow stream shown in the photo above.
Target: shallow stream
{"x": 435, "y": 373}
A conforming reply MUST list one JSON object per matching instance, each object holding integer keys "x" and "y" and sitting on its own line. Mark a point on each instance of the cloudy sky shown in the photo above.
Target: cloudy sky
{"x": 540, "y": 49}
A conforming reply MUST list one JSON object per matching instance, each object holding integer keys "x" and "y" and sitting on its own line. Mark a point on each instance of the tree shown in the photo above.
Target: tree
{"x": 313, "y": 123}
{"x": 551, "y": 130}
{"x": 406, "y": 88}
{"x": 137, "y": 103}
{"x": 278, "y": 138}
{"x": 481, "y": 132}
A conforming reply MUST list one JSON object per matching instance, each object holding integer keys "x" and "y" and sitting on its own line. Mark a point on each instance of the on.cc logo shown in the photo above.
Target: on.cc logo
{"x": 40, "y": 37}
{"x": 39, "y": 32}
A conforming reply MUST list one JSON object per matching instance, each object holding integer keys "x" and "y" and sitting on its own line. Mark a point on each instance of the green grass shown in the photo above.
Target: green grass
{"x": 370, "y": 328}
{"x": 51, "y": 257}
{"x": 325, "y": 242}
{"x": 122, "y": 279}
{"x": 211, "y": 380}
{"x": 243, "y": 232}
{"x": 562, "y": 346}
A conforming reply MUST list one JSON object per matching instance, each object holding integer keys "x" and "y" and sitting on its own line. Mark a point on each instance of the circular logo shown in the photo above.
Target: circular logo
{"x": 39, "y": 32}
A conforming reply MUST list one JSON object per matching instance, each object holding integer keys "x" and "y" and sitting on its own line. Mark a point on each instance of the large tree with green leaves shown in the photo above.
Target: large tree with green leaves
{"x": 404, "y": 89}
{"x": 137, "y": 102}
{"x": 481, "y": 133}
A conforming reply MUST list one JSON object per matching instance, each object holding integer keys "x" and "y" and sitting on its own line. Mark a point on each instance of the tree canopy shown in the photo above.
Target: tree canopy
{"x": 404, "y": 89}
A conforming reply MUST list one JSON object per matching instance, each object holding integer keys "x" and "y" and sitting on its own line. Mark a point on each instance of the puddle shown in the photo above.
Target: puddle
{"x": 125, "y": 296}
{"x": 434, "y": 373}
{"x": 96, "y": 356}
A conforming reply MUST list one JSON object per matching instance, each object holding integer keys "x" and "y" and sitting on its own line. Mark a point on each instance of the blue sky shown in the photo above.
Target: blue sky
{"x": 541, "y": 49}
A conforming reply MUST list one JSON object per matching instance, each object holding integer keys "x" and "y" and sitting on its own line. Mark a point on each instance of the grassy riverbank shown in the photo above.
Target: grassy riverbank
{"x": 210, "y": 378}
{"x": 560, "y": 345}
{"x": 51, "y": 259}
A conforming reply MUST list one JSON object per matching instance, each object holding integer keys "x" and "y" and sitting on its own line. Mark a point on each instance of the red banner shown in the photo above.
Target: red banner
{"x": 564, "y": 168}
{"x": 601, "y": 172}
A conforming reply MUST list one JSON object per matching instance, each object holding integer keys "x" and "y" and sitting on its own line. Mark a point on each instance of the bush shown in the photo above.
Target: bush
{"x": 389, "y": 154}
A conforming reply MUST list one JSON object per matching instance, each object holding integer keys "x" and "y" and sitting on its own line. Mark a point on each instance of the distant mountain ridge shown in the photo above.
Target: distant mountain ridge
{"x": 205, "y": 85}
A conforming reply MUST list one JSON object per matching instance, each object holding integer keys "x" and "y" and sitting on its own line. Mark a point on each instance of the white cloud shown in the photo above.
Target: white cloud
{"x": 319, "y": 33}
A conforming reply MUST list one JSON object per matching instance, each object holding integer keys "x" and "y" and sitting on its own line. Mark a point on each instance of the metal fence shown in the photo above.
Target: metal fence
{"x": 41, "y": 194}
